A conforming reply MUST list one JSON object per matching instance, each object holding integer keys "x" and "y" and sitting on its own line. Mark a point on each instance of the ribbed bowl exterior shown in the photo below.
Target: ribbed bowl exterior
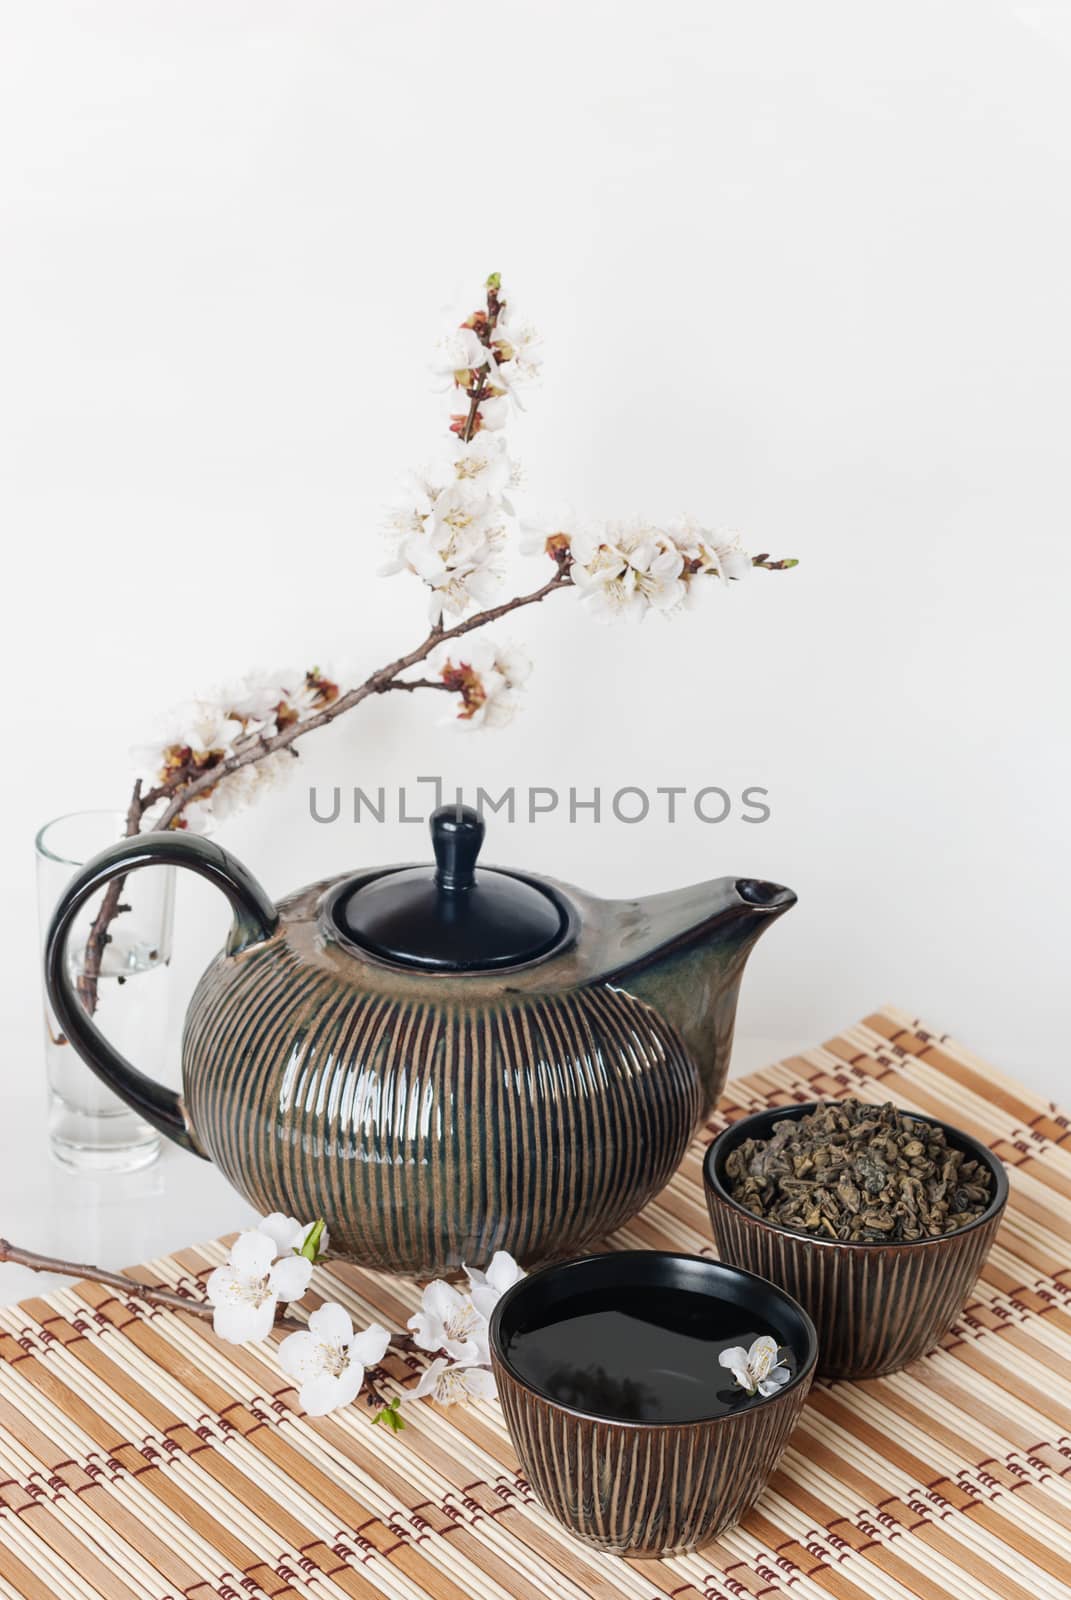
{"x": 639, "y": 1489}
{"x": 430, "y": 1132}
{"x": 876, "y": 1307}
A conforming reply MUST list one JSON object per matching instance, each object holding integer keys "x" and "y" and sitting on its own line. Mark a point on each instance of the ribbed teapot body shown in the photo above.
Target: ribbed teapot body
{"x": 432, "y": 1121}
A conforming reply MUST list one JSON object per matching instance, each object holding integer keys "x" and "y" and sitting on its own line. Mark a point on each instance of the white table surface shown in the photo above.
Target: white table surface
{"x": 114, "y": 1220}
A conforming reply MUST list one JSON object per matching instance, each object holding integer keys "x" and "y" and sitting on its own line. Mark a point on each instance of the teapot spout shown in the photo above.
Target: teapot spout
{"x": 685, "y": 952}
{"x": 765, "y": 897}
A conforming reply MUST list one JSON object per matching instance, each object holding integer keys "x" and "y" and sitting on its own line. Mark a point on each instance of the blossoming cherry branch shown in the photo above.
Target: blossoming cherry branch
{"x": 451, "y": 532}
{"x": 329, "y": 1360}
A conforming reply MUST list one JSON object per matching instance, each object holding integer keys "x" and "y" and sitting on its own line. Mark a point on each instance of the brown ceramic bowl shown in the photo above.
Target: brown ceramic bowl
{"x": 876, "y": 1306}
{"x": 635, "y": 1484}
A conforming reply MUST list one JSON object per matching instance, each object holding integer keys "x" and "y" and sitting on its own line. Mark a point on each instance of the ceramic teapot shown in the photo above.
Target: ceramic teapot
{"x": 442, "y": 1061}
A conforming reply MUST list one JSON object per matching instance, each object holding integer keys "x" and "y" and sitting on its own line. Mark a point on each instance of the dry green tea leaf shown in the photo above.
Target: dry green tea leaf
{"x": 849, "y": 1170}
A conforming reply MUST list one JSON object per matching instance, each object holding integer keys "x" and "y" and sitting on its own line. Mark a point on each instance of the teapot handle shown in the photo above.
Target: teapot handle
{"x": 255, "y": 919}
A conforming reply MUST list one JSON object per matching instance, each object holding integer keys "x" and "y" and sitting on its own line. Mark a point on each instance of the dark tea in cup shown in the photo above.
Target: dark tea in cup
{"x": 620, "y": 1351}
{"x": 649, "y": 1395}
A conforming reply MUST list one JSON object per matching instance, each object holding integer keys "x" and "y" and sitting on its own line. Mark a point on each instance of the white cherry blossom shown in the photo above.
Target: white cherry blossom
{"x": 517, "y": 348}
{"x": 449, "y": 1382}
{"x": 328, "y": 1359}
{"x": 245, "y": 1292}
{"x": 201, "y": 725}
{"x": 401, "y": 522}
{"x": 463, "y": 513}
{"x": 449, "y": 1321}
{"x": 407, "y": 515}
{"x": 288, "y": 1233}
{"x": 487, "y": 1288}
{"x": 455, "y": 544}
{"x": 494, "y": 412}
{"x": 733, "y": 562}
{"x": 240, "y": 789}
{"x": 623, "y": 570}
{"x": 550, "y": 532}
{"x": 627, "y": 569}
{"x": 709, "y": 554}
{"x": 459, "y": 353}
{"x": 302, "y": 694}
{"x": 484, "y": 462}
{"x": 757, "y": 1370}
{"x": 485, "y": 675}
{"x": 458, "y": 582}
{"x": 254, "y": 700}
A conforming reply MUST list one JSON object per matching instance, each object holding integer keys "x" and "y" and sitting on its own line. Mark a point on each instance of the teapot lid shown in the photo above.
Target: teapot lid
{"x": 453, "y": 917}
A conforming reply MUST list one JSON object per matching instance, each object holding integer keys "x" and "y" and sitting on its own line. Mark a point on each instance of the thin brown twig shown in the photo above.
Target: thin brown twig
{"x": 479, "y": 392}
{"x": 99, "y": 937}
{"x": 417, "y": 683}
{"x": 378, "y": 683}
{"x": 373, "y": 1395}
{"x": 174, "y": 1299}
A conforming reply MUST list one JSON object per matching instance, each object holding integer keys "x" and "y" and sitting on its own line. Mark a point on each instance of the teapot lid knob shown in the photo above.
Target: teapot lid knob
{"x": 455, "y": 916}
{"x": 456, "y": 836}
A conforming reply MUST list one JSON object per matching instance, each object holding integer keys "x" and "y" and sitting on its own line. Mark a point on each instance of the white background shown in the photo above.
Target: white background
{"x": 801, "y": 270}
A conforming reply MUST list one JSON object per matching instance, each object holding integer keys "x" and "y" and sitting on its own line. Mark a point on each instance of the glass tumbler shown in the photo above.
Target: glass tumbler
{"x": 89, "y": 1127}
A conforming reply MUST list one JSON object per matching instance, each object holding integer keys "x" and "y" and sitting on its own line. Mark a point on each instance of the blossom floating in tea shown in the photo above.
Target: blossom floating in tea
{"x": 758, "y": 1370}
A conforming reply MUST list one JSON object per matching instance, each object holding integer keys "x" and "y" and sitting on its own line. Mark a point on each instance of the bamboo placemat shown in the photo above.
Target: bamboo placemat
{"x": 141, "y": 1458}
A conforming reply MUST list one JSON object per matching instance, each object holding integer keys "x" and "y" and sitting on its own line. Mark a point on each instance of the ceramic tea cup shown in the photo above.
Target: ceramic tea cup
{"x": 876, "y": 1305}
{"x": 626, "y": 1426}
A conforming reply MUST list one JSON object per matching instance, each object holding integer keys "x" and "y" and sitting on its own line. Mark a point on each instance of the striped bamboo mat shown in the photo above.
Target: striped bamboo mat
{"x": 141, "y": 1458}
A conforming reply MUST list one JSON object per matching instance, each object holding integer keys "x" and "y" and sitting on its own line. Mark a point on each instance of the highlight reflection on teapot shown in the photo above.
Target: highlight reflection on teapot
{"x": 441, "y": 1061}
